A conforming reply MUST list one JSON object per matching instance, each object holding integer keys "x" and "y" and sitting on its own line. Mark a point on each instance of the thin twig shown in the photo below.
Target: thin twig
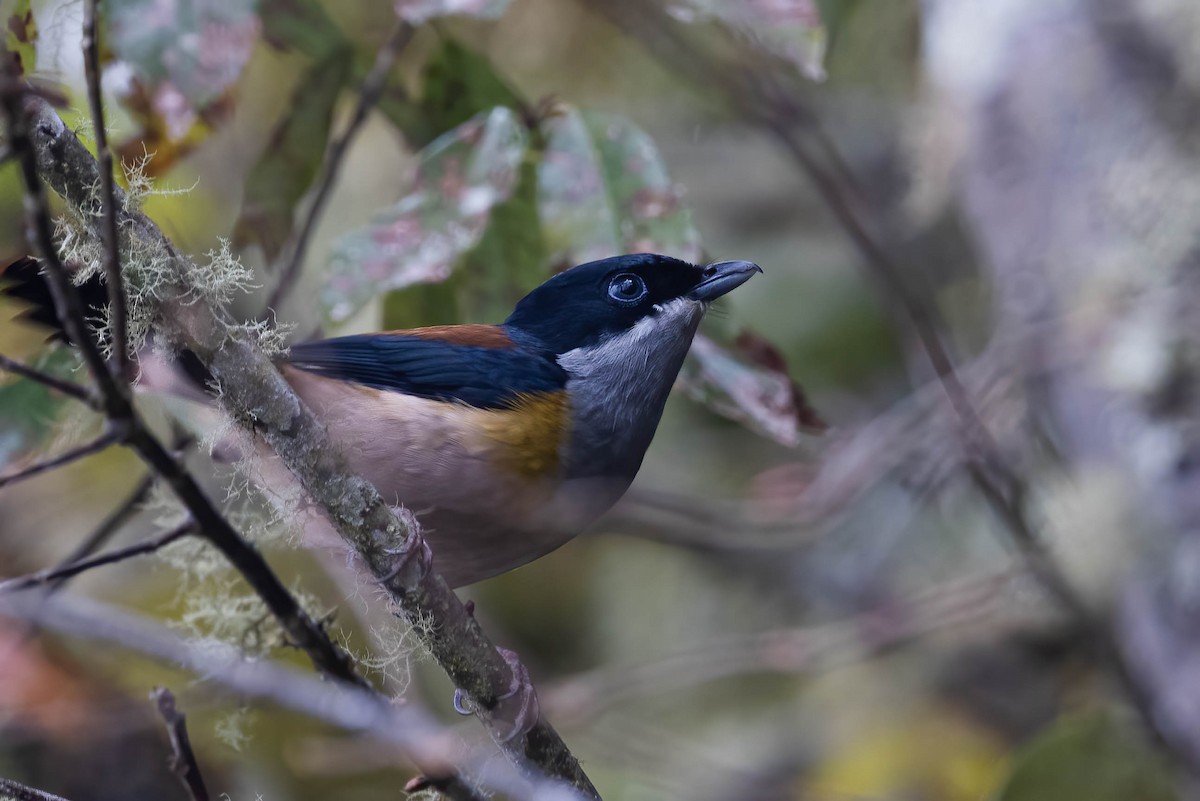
{"x": 12, "y": 791}
{"x": 109, "y": 438}
{"x": 74, "y": 568}
{"x": 103, "y": 532}
{"x": 801, "y": 649}
{"x": 183, "y": 758}
{"x": 69, "y": 388}
{"x": 117, "y": 312}
{"x": 372, "y": 89}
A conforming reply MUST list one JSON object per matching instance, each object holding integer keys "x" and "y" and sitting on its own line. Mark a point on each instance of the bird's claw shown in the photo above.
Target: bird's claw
{"x": 413, "y": 562}
{"x": 516, "y": 710}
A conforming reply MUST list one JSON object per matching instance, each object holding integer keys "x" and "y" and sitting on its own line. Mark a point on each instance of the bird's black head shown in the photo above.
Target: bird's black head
{"x": 597, "y": 300}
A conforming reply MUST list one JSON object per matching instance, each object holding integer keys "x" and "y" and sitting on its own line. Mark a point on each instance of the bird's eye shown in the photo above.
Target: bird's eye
{"x": 627, "y": 288}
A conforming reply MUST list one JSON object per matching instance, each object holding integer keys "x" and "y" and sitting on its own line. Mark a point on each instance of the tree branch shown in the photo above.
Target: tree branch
{"x": 801, "y": 649}
{"x": 109, "y": 438}
{"x": 26, "y": 113}
{"x": 183, "y": 758}
{"x": 257, "y": 396}
{"x": 12, "y": 791}
{"x": 69, "y": 388}
{"x": 368, "y": 97}
{"x": 56, "y": 575}
{"x": 107, "y": 528}
{"x": 118, "y": 316}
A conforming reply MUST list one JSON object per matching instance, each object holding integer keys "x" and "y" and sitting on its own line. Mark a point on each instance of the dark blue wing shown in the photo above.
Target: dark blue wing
{"x": 487, "y": 377}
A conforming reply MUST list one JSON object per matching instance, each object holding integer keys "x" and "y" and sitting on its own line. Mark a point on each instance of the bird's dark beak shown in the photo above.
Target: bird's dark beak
{"x": 722, "y": 277}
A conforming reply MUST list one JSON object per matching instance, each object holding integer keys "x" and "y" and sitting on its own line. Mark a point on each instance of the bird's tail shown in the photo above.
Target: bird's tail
{"x": 24, "y": 281}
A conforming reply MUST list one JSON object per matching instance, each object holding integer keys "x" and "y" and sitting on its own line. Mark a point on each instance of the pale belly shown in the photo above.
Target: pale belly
{"x": 482, "y": 513}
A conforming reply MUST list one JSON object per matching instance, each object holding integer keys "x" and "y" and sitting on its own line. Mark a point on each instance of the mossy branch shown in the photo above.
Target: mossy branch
{"x": 254, "y": 393}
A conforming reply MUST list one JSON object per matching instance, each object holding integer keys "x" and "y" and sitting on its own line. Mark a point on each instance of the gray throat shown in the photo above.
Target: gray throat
{"x": 618, "y": 388}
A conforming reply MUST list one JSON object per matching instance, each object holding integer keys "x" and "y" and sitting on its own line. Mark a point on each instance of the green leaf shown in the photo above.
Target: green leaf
{"x": 460, "y": 179}
{"x": 1089, "y": 758}
{"x": 603, "y": 189}
{"x": 29, "y": 409}
{"x": 301, "y": 25}
{"x": 420, "y": 11}
{"x": 835, "y": 14}
{"x": 293, "y": 156}
{"x": 185, "y": 56}
{"x": 510, "y": 258}
{"x": 185, "y": 50}
{"x": 457, "y": 84}
{"x": 786, "y": 29}
{"x": 648, "y": 206}
{"x": 21, "y": 34}
{"x": 749, "y": 384}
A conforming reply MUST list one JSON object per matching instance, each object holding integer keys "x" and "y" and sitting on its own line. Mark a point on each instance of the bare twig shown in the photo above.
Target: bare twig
{"x": 54, "y": 576}
{"x": 117, "y": 313}
{"x": 107, "y": 528}
{"x": 372, "y": 89}
{"x": 183, "y": 758}
{"x": 791, "y": 650}
{"x": 12, "y": 791}
{"x": 69, "y": 388}
{"x": 102, "y": 442}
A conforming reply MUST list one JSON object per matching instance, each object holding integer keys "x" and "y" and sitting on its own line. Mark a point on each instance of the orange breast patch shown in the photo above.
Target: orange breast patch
{"x": 530, "y": 433}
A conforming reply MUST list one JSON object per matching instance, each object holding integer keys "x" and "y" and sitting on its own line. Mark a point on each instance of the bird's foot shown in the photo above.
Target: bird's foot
{"x": 412, "y": 562}
{"x": 517, "y": 711}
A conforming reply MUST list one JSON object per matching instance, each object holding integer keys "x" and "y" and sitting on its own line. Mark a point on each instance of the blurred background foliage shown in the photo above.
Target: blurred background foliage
{"x": 773, "y": 612}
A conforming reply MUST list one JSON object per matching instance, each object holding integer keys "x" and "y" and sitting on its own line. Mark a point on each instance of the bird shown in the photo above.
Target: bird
{"x": 505, "y": 441}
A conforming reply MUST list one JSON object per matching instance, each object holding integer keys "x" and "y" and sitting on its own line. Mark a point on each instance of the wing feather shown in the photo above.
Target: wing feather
{"x": 441, "y": 368}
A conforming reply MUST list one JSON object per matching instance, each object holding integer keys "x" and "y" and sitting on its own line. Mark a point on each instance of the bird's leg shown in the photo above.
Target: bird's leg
{"x": 517, "y": 709}
{"x": 413, "y": 561}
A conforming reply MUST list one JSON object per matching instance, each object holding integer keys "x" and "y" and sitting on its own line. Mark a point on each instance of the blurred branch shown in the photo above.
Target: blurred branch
{"x": 12, "y": 791}
{"x": 104, "y": 441}
{"x": 183, "y": 759}
{"x": 69, "y": 388}
{"x": 108, "y": 527}
{"x": 56, "y": 575}
{"x": 118, "y": 315}
{"x": 372, "y": 89}
{"x": 769, "y": 104}
{"x": 803, "y": 649}
{"x": 495, "y": 683}
{"x": 429, "y": 744}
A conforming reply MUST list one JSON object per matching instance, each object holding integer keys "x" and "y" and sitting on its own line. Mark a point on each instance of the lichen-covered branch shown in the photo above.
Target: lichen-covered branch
{"x": 30, "y": 120}
{"x": 255, "y": 394}
{"x": 13, "y": 791}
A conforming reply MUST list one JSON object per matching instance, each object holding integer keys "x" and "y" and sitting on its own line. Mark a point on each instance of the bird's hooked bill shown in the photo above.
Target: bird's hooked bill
{"x": 722, "y": 277}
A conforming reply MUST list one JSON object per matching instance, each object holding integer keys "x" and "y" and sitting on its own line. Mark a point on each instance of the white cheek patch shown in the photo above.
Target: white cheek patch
{"x": 619, "y": 385}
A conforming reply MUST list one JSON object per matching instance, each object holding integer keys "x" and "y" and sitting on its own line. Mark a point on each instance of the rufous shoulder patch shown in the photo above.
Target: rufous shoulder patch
{"x": 476, "y": 335}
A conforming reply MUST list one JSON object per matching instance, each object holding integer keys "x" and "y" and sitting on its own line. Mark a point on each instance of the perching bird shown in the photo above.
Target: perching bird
{"x": 508, "y": 440}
